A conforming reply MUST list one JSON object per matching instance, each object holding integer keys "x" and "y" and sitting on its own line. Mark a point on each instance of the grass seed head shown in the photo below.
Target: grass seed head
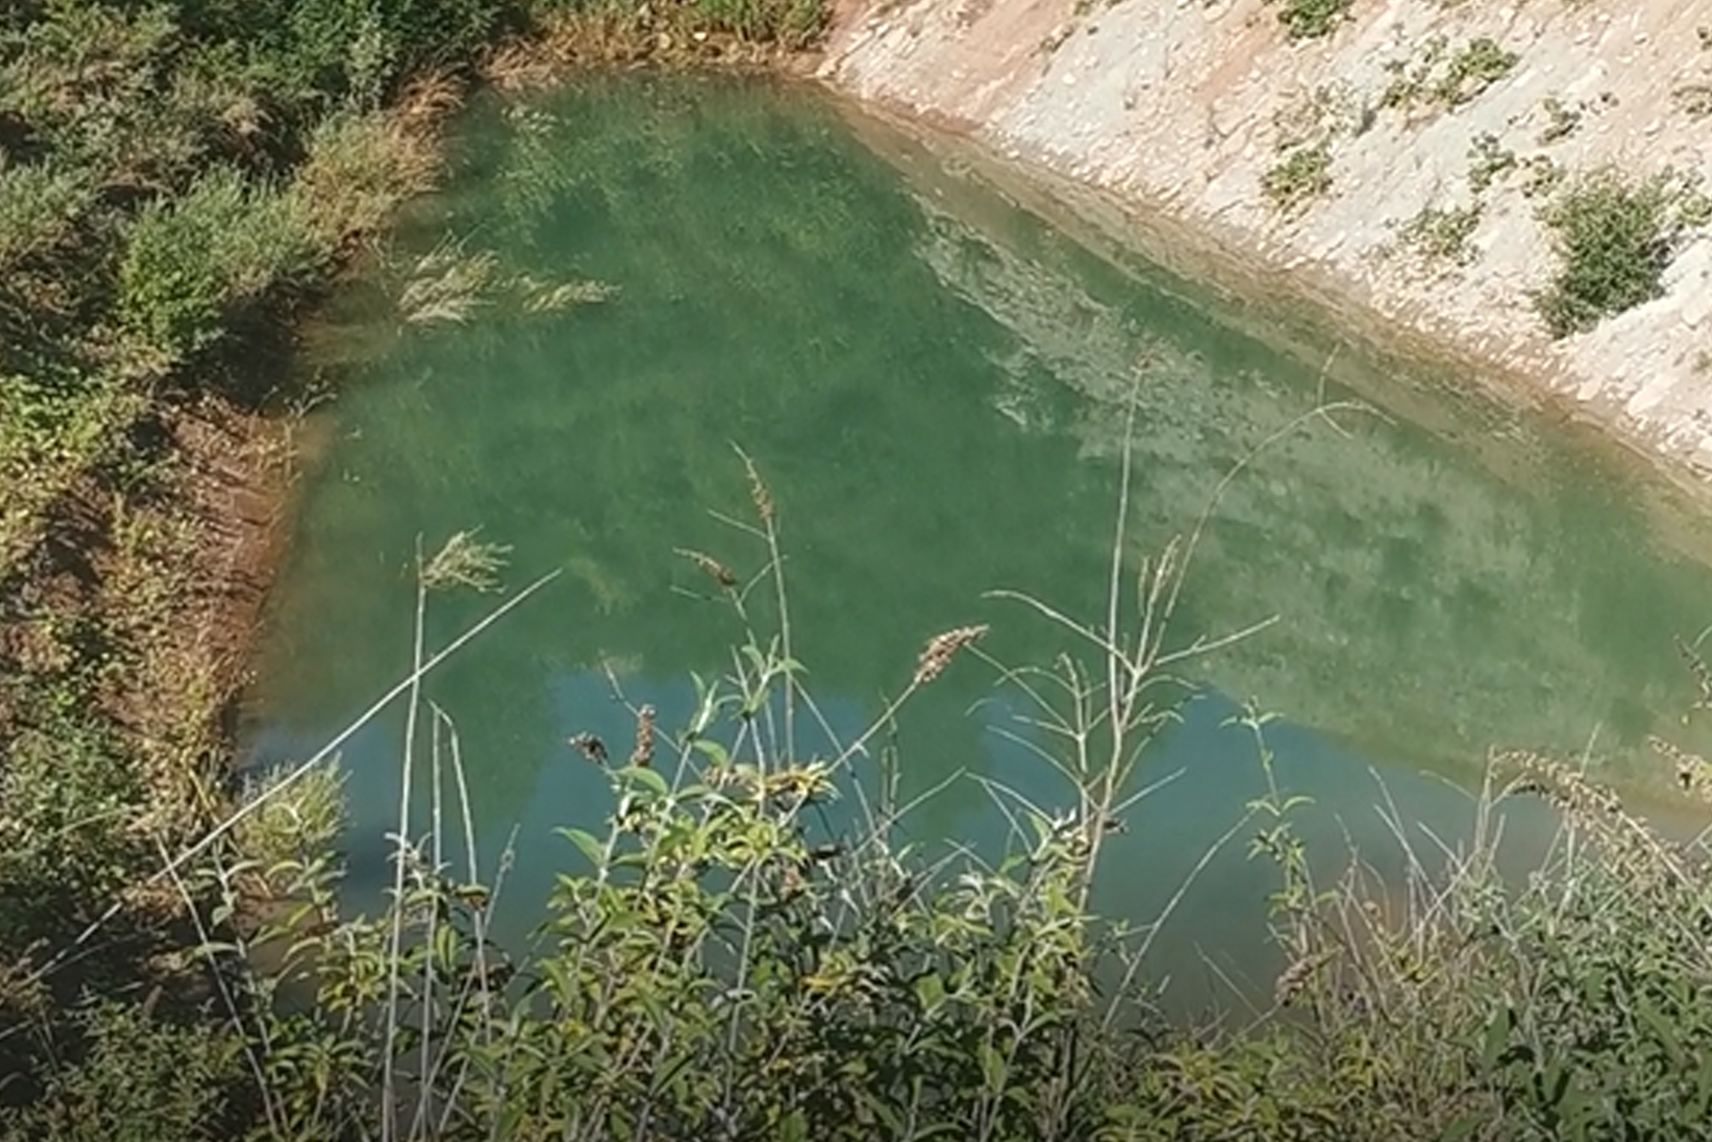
{"x": 941, "y": 649}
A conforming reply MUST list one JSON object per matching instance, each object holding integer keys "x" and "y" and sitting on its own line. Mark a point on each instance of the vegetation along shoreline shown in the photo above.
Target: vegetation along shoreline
{"x": 179, "y": 183}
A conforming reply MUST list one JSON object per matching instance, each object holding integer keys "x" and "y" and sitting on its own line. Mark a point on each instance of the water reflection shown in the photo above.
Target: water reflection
{"x": 938, "y": 406}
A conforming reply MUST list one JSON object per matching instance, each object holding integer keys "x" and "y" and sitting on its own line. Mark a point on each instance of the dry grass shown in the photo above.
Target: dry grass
{"x": 612, "y": 38}
{"x": 361, "y": 168}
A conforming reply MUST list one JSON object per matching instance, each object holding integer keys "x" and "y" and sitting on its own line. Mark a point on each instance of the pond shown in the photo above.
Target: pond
{"x": 937, "y": 395}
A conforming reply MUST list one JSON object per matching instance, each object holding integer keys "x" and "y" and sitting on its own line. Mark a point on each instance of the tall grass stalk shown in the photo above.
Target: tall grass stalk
{"x": 740, "y": 961}
{"x": 297, "y": 773}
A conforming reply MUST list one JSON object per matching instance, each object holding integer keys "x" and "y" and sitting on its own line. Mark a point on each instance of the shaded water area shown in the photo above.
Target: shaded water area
{"x": 936, "y": 395}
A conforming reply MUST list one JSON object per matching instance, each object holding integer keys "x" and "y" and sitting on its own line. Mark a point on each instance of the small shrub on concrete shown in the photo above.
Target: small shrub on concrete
{"x": 1614, "y": 239}
{"x": 1311, "y": 19}
{"x": 1302, "y": 174}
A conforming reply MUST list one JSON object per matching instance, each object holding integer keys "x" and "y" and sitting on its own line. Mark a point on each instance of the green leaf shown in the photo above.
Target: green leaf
{"x": 1497, "y": 1037}
{"x": 794, "y": 1128}
{"x": 1661, "y": 1027}
{"x": 1460, "y": 1128}
{"x": 645, "y": 777}
{"x": 585, "y": 841}
{"x": 715, "y": 752}
{"x": 929, "y": 992}
{"x": 992, "y": 1068}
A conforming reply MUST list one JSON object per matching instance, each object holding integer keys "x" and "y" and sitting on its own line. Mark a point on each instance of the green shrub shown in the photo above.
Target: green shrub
{"x": 792, "y": 23}
{"x": 1443, "y": 232}
{"x": 140, "y": 1080}
{"x": 194, "y": 263}
{"x": 1614, "y": 238}
{"x": 1436, "y": 76}
{"x": 41, "y": 206}
{"x": 1303, "y": 174}
{"x": 786, "y": 23}
{"x": 69, "y": 796}
{"x": 362, "y": 49}
{"x": 358, "y": 169}
{"x": 1310, "y": 19}
{"x": 1488, "y": 161}
{"x": 43, "y": 212}
{"x": 290, "y": 827}
{"x": 1561, "y": 121}
{"x": 1479, "y": 65}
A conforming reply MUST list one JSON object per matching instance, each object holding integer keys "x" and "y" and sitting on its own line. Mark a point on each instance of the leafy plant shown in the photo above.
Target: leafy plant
{"x": 1442, "y": 232}
{"x": 1435, "y": 76}
{"x": 1480, "y": 64}
{"x": 1488, "y": 161}
{"x": 1302, "y": 175}
{"x": 1561, "y": 121}
{"x": 1540, "y": 176}
{"x": 194, "y": 264}
{"x": 1694, "y": 99}
{"x": 141, "y": 1079}
{"x": 1310, "y": 19}
{"x": 1614, "y": 239}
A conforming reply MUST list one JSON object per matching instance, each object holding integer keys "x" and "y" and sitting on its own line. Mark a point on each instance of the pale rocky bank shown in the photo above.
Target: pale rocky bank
{"x": 1171, "y": 113}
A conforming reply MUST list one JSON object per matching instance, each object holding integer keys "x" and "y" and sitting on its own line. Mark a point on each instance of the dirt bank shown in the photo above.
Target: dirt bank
{"x": 1436, "y": 121}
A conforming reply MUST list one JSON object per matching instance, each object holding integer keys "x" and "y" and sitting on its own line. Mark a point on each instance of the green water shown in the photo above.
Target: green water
{"x": 935, "y": 393}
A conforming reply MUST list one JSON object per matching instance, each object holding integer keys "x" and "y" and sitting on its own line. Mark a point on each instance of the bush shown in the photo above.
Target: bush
{"x": 40, "y": 208}
{"x": 140, "y": 1080}
{"x": 1443, "y": 232}
{"x": 790, "y": 24}
{"x": 194, "y": 264}
{"x": 68, "y": 801}
{"x": 361, "y": 50}
{"x": 1480, "y": 64}
{"x": 1310, "y": 19}
{"x": 1301, "y": 175}
{"x": 1614, "y": 239}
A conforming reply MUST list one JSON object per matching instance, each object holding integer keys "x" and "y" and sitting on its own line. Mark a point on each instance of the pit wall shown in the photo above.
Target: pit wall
{"x": 1178, "y": 114}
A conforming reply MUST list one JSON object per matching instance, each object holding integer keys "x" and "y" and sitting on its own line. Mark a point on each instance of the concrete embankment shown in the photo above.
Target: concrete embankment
{"x": 1409, "y": 155}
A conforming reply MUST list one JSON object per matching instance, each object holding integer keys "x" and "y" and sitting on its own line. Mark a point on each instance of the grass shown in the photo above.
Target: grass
{"x": 1614, "y": 238}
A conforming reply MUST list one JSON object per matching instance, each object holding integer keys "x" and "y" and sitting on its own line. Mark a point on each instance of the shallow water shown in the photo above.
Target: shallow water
{"x": 937, "y": 399}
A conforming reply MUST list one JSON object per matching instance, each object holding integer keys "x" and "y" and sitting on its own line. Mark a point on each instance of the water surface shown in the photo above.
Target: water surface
{"x": 937, "y": 398}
